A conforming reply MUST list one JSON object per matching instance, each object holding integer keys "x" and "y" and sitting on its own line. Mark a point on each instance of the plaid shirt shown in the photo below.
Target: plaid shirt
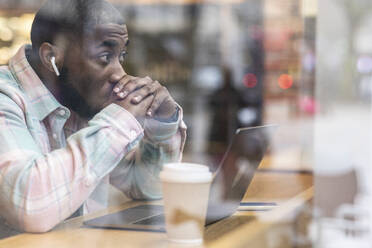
{"x": 52, "y": 162}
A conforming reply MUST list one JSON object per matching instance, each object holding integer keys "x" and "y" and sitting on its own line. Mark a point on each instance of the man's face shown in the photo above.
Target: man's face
{"x": 93, "y": 68}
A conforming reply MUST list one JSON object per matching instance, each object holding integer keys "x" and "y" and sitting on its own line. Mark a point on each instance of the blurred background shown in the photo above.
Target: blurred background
{"x": 302, "y": 64}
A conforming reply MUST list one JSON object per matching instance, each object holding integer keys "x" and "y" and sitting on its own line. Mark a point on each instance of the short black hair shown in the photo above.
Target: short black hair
{"x": 70, "y": 17}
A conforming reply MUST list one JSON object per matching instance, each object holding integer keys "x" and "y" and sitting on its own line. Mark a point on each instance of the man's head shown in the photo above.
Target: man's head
{"x": 88, "y": 39}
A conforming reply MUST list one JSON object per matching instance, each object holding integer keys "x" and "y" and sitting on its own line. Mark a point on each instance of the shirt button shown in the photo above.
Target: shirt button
{"x": 133, "y": 134}
{"x": 62, "y": 112}
{"x": 55, "y": 136}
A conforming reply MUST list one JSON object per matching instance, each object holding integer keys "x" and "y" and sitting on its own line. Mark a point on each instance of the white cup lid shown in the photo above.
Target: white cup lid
{"x": 185, "y": 173}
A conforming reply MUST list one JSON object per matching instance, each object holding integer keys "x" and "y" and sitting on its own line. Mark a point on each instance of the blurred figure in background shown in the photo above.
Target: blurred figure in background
{"x": 225, "y": 104}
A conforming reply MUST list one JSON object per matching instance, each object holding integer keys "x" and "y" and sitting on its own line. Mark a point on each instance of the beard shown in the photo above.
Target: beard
{"x": 71, "y": 97}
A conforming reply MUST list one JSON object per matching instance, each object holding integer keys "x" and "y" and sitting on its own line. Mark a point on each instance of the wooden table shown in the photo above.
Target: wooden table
{"x": 289, "y": 189}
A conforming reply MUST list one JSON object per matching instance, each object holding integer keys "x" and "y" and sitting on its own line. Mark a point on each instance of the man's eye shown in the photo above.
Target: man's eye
{"x": 105, "y": 58}
{"x": 122, "y": 57}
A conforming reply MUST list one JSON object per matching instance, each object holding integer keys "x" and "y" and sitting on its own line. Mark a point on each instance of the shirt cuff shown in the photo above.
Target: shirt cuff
{"x": 122, "y": 121}
{"x": 173, "y": 118}
{"x": 158, "y": 131}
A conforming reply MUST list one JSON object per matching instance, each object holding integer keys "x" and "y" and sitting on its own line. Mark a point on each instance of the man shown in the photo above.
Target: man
{"x": 72, "y": 121}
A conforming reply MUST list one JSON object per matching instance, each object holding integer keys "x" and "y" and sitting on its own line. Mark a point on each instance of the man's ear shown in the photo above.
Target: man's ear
{"x": 46, "y": 52}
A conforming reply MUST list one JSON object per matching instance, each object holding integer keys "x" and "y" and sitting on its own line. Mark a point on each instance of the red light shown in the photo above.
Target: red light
{"x": 250, "y": 80}
{"x": 285, "y": 81}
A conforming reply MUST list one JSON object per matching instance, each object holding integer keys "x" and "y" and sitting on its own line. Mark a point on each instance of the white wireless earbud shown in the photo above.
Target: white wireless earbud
{"x": 53, "y": 61}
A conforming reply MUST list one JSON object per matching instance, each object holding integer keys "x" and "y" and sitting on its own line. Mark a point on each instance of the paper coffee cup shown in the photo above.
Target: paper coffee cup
{"x": 185, "y": 192}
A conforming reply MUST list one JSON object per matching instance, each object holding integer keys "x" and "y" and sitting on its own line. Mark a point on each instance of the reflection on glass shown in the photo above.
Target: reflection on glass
{"x": 305, "y": 65}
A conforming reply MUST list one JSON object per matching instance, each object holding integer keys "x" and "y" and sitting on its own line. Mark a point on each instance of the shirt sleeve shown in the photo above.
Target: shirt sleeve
{"x": 38, "y": 191}
{"x": 138, "y": 174}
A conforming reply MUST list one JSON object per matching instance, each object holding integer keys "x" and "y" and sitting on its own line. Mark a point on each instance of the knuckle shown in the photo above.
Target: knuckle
{"x": 152, "y": 88}
{"x": 145, "y": 90}
{"x": 146, "y": 80}
{"x": 147, "y": 87}
{"x": 156, "y": 85}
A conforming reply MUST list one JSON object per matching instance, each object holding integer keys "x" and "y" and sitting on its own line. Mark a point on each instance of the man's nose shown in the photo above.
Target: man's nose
{"x": 117, "y": 72}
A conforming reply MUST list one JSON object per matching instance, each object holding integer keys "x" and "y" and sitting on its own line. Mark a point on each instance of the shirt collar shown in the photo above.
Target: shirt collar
{"x": 43, "y": 101}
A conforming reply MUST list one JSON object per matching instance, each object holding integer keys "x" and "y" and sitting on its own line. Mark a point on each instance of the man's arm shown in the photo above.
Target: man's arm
{"x": 137, "y": 174}
{"x": 165, "y": 134}
{"x": 37, "y": 191}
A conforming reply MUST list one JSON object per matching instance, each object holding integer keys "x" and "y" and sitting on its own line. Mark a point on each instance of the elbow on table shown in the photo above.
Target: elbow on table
{"x": 38, "y": 224}
{"x": 27, "y": 220}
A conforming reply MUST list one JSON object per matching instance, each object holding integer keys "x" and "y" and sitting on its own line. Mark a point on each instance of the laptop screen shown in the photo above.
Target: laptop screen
{"x": 236, "y": 170}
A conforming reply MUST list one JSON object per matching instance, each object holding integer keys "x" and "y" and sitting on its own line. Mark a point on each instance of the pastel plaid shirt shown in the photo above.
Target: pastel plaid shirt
{"x": 52, "y": 162}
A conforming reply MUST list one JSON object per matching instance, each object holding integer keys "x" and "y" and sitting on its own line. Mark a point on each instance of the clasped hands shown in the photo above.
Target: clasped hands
{"x": 144, "y": 97}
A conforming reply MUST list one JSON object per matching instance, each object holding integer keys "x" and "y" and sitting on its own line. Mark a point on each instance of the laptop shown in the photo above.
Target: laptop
{"x": 230, "y": 182}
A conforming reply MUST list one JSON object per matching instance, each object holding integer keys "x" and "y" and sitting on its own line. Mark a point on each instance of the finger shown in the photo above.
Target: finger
{"x": 119, "y": 86}
{"x": 145, "y": 91}
{"x": 142, "y": 107}
{"x": 160, "y": 97}
{"x": 146, "y": 102}
{"x": 134, "y": 84}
